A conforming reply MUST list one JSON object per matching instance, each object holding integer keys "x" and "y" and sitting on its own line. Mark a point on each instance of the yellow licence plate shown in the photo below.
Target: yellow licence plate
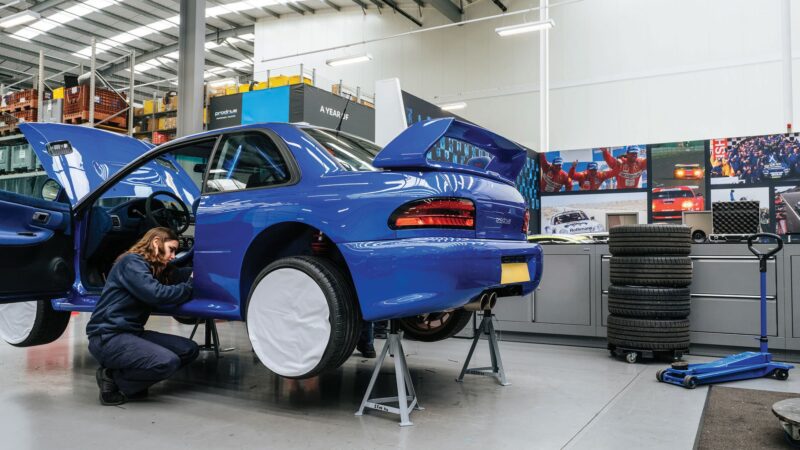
{"x": 514, "y": 273}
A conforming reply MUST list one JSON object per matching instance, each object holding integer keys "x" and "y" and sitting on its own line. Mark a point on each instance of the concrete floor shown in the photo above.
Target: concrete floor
{"x": 560, "y": 397}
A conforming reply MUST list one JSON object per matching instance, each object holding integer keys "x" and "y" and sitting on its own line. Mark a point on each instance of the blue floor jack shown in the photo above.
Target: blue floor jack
{"x": 742, "y": 366}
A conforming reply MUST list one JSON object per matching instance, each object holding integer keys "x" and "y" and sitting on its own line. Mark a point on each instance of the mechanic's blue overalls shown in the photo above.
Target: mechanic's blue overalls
{"x": 117, "y": 338}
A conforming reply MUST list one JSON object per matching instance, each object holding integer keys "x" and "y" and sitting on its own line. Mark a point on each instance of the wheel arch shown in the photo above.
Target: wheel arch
{"x": 282, "y": 240}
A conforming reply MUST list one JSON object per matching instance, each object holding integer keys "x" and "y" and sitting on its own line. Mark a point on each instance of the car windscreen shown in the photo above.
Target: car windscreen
{"x": 672, "y": 194}
{"x": 354, "y": 154}
{"x": 571, "y": 217}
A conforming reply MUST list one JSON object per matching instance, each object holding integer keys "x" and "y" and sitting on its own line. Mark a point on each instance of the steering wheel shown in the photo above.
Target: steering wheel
{"x": 176, "y": 219}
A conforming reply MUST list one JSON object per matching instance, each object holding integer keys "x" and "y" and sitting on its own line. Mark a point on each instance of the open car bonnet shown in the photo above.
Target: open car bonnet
{"x": 90, "y": 159}
{"x": 409, "y": 150}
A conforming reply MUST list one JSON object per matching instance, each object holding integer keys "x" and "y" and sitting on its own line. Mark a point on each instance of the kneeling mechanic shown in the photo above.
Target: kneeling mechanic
{"x": 132, "y": 358}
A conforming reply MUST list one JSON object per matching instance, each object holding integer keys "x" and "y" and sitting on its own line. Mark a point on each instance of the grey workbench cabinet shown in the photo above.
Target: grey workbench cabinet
{"x": 572, "y": 298}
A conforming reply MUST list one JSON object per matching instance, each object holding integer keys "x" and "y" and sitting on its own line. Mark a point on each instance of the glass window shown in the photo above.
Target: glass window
{"x": 247, "y": 161}
{"x": 352, "y": 153}
{"x": 672, "y": 194}
{"x": 179, "y": 171}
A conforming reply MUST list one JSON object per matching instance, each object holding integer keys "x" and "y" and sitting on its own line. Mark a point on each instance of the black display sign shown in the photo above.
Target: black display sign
{"x": 225, "y": 111}
{"x": 418, "y": 110}
{"x": 318, "y": 107}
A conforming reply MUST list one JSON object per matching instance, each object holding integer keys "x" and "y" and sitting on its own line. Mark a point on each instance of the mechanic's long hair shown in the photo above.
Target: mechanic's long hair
{"x": 144, "y": 248}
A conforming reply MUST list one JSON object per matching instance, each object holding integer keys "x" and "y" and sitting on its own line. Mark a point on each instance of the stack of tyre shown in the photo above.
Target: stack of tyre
{"x": 649, "y": 296}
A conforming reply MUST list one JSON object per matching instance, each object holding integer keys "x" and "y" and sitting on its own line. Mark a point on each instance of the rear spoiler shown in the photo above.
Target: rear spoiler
{"x": 410, "y": 148}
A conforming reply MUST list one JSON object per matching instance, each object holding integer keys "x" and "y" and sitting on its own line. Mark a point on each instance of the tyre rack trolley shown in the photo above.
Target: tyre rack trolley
{"x": 741, "y": 366}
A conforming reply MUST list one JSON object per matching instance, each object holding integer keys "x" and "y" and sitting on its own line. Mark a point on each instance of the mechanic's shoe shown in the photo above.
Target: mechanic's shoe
{"x": 109, "y": 392}
{"x": 367, "y": 351}
{"x": 104, "y": 380}
{"x": 112, "y": 398}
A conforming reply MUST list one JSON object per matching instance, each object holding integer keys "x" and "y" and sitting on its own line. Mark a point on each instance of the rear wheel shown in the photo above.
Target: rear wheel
{"x": 27, "y": 324}
{"x": 435, "y": 326}
{"x": 302, "y": 317}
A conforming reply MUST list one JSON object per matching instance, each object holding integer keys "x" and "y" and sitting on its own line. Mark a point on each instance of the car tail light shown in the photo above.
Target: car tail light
{"x": 680, "y": 173}
{"x": 688, "y": 204}
{"x": 435, "y": 213}
{"x": 698, "y": 173}
{"x": 526, "y": 220}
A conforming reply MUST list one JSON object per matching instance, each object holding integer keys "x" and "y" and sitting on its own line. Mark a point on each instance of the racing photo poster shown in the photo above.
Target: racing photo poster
{"x": 579, "y": 214}
{"x": 787, "y": 209}
{"x": 755, "y": 159}
{"x": 678, "y": 179}
{"x": 596, "y": 169}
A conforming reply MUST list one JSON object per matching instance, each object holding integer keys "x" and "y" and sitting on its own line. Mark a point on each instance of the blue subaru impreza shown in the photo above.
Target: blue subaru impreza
{"x": 298, "y": 231}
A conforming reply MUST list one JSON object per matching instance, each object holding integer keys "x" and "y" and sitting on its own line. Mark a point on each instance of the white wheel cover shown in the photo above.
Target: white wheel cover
{"x": 288, "y": 322}
{"x": 16, "y": 321}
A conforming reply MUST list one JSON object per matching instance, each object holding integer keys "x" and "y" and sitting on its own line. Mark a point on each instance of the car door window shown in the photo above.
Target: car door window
{"x": 246, "y": 161}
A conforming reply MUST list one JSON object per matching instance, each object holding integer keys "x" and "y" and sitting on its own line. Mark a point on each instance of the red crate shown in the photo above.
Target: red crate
{"x": 81, "y": 117}
{"x": 24, "y": 99}
{"x": 160, "y": 138}
{"x": 27, "y": 115}
{"x": 8, "y": 124}
{"x": 106, "y": 101}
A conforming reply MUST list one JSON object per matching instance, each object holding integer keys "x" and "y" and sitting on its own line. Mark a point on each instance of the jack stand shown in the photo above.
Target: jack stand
{"x": 406, "y": 403}
{"x": 496, "y": 370}
{"x": 212, "y": 338}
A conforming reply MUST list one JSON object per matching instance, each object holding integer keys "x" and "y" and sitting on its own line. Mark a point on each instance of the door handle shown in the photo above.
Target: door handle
{"x": 41, "y": 217}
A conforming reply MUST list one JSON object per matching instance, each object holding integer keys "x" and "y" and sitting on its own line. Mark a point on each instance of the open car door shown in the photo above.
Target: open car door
{"x": 37, "y": 236}
{"x": 36, "y": 244}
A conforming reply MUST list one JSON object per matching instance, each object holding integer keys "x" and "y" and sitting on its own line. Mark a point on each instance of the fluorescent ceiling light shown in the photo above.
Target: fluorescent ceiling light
{"x": 525, "y": 28}
{"x": 19, "y": 18}
{"x": 348, "y": 60}
{"x": 452, "y": 106}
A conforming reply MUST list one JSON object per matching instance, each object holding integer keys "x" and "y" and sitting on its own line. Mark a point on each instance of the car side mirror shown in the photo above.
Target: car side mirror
{"x": 700, "y": 195}
{"x": 200, "y": 168}
{"x": 591, "y": 218}
{"x": 50, "y": 190}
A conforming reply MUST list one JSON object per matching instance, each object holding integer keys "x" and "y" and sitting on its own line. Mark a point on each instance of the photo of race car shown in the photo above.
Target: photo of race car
{"x": 688, "y": 172}
{"x": 775, "y": 170}
{"x": 668, "y": 203}
{"x": 573, "y": 222}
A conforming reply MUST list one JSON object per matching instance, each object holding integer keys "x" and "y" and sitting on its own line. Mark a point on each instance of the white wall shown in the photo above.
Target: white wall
{"x": 622, "y": 71}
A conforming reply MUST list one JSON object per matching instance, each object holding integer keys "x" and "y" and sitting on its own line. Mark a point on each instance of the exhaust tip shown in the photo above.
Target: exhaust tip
{"x": 484, "y": 300}
{"x": 492, "y": 301}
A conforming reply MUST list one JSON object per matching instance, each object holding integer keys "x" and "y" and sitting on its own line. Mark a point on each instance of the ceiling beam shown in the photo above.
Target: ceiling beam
{"x": 307, "y": 8}
{"x": 332, "y": 5}
{"x": 397, "y": 9}
{"x": 296, "y": 9}
{"x": 174, "y": 47}
{"x": 448, "y": 9}
{"x": 500, "y": 5}
{"x": 360, "y": 3}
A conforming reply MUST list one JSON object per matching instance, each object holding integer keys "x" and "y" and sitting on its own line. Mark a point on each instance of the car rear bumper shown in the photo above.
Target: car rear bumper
{"x": 405, "y": 277}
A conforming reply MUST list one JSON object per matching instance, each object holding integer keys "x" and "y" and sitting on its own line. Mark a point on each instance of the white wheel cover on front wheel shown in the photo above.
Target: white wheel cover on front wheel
{"x": 288, "y": 322}
{"x": 16, "y": 321}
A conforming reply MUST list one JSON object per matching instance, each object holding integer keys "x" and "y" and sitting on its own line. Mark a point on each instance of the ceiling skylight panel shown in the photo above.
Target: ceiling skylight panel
{"x": 44, "y": 25}
{"x": 100, "y": 4}
{"x": 26, "y": 33}
{"x": 80, "y": 10}
{"x": 62, "y": 17}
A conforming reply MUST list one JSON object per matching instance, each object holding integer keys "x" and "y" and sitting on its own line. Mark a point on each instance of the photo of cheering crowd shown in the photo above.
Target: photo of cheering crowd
{"x": 596, "y": 169}
{"x": 755, "y": 159}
